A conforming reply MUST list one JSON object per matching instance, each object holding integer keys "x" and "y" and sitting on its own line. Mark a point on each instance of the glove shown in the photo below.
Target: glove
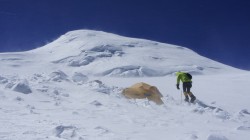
{"x": 177, "y": 86}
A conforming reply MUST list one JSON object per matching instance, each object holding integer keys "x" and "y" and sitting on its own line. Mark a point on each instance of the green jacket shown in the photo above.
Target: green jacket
{"x": 181, "y": 76}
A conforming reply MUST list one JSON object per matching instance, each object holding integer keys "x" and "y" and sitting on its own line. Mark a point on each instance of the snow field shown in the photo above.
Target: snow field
{"x": 71, "y": 88}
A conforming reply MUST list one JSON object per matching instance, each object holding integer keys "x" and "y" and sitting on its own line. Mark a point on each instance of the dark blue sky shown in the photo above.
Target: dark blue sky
{"x": 217, "y": 29}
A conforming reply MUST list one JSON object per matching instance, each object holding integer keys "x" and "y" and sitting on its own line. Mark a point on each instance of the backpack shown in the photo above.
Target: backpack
{"x": 189, "y": 75}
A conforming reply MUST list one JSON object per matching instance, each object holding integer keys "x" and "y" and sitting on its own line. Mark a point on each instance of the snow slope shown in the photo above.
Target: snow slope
{"x": 71, "y": 89}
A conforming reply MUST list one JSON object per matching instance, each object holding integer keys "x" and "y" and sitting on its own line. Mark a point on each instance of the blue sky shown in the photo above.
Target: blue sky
{"x": 217, "y": 29}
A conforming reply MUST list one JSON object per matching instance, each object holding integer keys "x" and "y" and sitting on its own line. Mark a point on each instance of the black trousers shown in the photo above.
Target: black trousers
{"x": 187, "y": 86}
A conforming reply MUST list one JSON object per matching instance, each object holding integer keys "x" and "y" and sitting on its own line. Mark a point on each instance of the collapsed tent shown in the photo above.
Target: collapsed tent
{"x": 143, "y": 90}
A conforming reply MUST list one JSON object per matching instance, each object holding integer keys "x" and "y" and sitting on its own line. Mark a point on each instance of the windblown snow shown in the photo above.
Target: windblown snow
{"x": 71, "y": 89}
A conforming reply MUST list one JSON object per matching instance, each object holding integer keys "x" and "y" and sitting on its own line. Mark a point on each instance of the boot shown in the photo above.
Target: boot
{"x": 193, "y": 98}
{"x": 186, "y": 98}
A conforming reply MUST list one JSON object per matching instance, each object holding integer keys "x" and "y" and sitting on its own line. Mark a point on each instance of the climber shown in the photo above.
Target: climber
{"x": 186, "y": 79}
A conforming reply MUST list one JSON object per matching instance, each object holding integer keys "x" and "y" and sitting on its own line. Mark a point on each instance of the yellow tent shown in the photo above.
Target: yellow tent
{"x": 143, "y": 90}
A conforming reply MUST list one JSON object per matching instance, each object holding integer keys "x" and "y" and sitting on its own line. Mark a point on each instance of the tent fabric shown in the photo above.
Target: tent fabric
{"x": 143, "y": 90}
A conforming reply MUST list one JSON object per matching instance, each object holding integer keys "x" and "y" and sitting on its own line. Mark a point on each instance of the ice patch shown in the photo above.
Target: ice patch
{"x": 216, "y": 137}
{"x": 192, "y": 137}
{"x": 96, "y": 103}
{"x": 76, "y": 61}
{"x": 65, "y": 95}
{"x": 10, "y": 84}
{"x": 132, "y": 71}
{"x": 66, "y": 132}
{"x": 141, "y": 102}
{"x": 19, "y": 98}
{"x": 58, "y": 76}
{"x": 79, "y": 78}
{"x": 244, "y": 128}
{"x": 11, "y": 59}
{"x": 39, "y": 78}
{"x": 244, "y": 112}
{"x": 219, "y": 113}
{"x": 89, "y": 56}
{"x": 43, "y": 89}
{"x": 102, "y": 131}
{"x": 199, "y": 110}
{"x": 81, "y": 61}
{"x": 129, "y": 45}
{"x": 106, "y": 48}
{"x": 3, "y": 80}
{"x": 98, "y": 86}
{"x": 22, "y": 87}
{"x": 243, "y": 116}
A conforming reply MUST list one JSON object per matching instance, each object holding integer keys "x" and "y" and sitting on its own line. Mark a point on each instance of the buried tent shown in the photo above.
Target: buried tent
{"x": 143, "y": 90}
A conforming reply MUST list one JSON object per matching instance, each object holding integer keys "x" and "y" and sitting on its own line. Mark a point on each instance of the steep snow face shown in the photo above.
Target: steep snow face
{"x": 104, "y": 54}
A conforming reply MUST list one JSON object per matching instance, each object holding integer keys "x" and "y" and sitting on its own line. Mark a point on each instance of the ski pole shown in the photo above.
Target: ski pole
{"x": 181, "y": 96}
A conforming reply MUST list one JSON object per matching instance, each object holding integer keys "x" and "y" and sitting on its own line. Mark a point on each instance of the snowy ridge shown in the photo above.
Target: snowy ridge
{"x": 71, "y": 89}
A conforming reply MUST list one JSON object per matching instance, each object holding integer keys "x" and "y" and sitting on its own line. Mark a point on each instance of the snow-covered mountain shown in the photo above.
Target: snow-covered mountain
{"x": 71, "y": 89}
{"x": 104, "y": 54}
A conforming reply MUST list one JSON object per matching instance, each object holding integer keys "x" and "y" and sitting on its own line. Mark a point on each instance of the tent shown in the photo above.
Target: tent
{"x": 143, "y": 90}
